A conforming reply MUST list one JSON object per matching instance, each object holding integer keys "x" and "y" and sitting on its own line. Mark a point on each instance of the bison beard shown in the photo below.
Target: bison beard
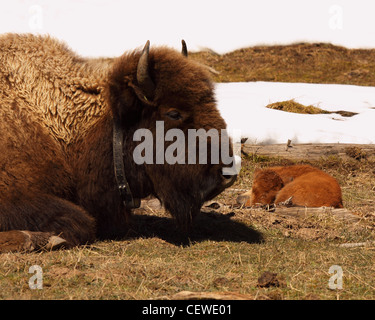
{"x": 191, "y": 188}
{"x": 57, "y": 183}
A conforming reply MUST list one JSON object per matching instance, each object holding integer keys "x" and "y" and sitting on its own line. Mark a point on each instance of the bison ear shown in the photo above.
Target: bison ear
{"x": 184, "y": 48}
{"x": 143, "y": 73}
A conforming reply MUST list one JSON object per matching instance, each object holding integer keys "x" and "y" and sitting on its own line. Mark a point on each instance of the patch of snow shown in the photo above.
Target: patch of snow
{"x": 243, "y": 106}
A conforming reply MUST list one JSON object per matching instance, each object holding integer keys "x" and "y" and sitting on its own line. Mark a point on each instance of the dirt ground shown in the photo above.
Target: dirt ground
{"x": 323, "y": 224}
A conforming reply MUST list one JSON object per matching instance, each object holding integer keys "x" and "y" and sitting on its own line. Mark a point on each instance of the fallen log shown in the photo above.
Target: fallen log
{"x": 340, "y": 214}
{"x": 311, "y": 151}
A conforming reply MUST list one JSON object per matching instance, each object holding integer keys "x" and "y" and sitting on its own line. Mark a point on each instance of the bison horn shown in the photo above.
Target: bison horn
{"x": 143, "y": 77}
{"x": 184, "y": 48}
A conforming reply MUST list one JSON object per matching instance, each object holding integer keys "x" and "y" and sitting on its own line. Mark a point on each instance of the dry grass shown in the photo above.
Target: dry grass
{"x": 227, "y": 251}
{"x": 301, "y": 62}
{"x": 295, "y": 107}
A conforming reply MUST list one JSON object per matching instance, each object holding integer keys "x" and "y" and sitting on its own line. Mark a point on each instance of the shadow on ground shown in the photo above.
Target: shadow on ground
{"x": 207, "y": 226}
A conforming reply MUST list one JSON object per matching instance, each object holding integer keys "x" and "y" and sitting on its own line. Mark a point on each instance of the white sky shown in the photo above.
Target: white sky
{"x": 109, "y": 27}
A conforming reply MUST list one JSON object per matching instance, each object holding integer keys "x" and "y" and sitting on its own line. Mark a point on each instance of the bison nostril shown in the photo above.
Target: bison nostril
{"x": 227, "y": 177}
{"x": 228, "y": 180}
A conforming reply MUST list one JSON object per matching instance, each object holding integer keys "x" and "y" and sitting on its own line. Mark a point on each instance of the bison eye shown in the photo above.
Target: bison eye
{"x": 174, "y": 115}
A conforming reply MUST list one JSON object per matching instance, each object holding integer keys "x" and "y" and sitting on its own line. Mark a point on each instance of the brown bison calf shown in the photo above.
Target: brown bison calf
{"x": 301, "y": 185}
{"x": 67, "y": 127}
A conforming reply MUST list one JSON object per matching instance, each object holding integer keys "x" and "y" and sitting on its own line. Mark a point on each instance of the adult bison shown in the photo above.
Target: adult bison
{"x": 66, "y": 140}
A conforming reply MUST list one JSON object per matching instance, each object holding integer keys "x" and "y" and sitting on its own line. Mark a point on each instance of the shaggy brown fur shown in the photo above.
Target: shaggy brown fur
{"x": 303, "y": 185}
{"x": 56, "y": 122}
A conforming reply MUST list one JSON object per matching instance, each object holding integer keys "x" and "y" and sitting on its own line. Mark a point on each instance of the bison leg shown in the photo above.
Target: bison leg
{"x": 244, "y": 199}
{"x": 16, "y": 240}
{"x": 43, "y": 222}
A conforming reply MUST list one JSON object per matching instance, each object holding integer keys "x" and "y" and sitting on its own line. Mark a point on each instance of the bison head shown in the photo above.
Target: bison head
{"x": 152, "y": 92}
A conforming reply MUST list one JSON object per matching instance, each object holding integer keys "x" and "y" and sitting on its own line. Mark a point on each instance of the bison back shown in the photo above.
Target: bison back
{"x": 313, "y": 189}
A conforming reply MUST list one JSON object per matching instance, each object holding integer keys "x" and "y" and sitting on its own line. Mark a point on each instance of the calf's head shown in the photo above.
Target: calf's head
{"x": 164, "y": 103}
{"x": 266, "y": 185}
